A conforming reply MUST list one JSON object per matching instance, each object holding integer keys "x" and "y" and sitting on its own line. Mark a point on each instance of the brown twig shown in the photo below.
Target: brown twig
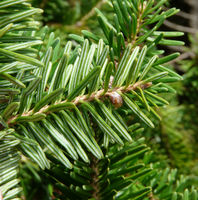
{"x": 194, "y": 21}
{"x": 180, "y": 27}
{"x": 177, "y": 48}
{"x": 183, "y": 56}
{"x": 185, "y": 15}
{"x": 100, "y": 94}
{"x": 96, "y": 95}
{"x": 181, "y": 14}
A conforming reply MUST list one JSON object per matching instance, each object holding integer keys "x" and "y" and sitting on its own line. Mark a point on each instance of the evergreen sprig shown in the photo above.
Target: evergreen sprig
{"x": 62, "y": 108}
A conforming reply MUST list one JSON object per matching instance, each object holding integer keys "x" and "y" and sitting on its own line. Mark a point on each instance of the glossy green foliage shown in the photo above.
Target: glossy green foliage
{"x": 68, "y": 107}
{"x": 18, "y": 55}
{"x": 82, "y": 181}
{"x": 130, "y": 25}
{"x": 9, "y": 159}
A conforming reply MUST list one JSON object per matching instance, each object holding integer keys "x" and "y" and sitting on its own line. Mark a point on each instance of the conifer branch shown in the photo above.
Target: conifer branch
{"x": 87, "y": 98}
{"x": 139, "y": 21}
{"x": 60, "y": 103}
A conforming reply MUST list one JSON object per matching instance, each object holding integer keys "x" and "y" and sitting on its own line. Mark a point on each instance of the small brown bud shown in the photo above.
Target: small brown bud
{"x": 116, "y": 99}
{"x": 146, "y": 85}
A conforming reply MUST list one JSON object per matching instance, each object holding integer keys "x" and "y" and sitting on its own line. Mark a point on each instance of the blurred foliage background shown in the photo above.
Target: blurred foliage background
{"x": 175, "y": 139}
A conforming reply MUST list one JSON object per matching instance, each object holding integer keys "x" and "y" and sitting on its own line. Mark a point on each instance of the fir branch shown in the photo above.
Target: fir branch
{"x": 87, "y": 98}
{"x": 83, "y": 75}
{"x": 100, "y": 94}
{"x": 139, "y": 21}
